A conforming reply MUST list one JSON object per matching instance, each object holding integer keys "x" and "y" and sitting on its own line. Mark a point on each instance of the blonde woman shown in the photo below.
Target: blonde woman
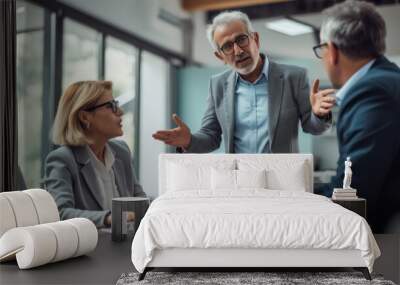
{"x": 89, "y": 169}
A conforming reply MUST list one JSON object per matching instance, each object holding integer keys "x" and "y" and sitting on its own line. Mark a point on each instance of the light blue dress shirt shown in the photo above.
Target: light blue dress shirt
{"x": 353, "y": 80}
{"x": 251, "y": 114}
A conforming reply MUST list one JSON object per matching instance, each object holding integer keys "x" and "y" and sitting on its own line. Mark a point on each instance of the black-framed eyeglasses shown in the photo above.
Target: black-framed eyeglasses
{"x": 318, "y": 49}
{"x": 241, "y": 40}
{"x": 113, "y": 104}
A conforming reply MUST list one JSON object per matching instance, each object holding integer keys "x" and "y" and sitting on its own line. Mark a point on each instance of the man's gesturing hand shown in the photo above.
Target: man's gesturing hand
{"x": 178, "y": 137}
{"x": 322, "y": 101}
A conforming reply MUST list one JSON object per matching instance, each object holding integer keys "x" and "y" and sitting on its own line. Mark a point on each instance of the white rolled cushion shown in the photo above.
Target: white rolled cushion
{"x": 251, "y": 178}
{"x": 87, "y": 235}
{"x": 186, "y": 175}
{"x": 282, "y": 174}
{"x": 33, "y": 246}
{"x": 7, "y": 218}
{"x": 223, "y": 179}
{"x": 23, "y": 208}
{"x": 67, "y": 240}
{"x": 40, "y": 244}
{"x": 45, "y": 205}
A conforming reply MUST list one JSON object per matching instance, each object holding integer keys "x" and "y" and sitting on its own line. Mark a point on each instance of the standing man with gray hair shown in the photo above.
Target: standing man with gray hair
{"x": 368, "y": 127}
{"x": 256, "y": 105}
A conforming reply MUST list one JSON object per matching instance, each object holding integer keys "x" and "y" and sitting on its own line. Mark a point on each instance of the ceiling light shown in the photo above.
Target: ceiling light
{"x": 289, "y": 27}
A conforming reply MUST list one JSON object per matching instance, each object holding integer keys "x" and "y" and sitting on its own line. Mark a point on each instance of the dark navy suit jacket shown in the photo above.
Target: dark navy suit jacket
{"x": 368, "y": 130}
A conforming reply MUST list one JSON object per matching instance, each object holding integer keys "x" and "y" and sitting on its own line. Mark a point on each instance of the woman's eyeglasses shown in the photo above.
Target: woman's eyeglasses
{"x": 113, "y": 104}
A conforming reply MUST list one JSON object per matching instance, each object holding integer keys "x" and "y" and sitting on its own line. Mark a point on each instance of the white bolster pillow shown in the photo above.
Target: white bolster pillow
{"x": 45, "y": 205}
{"x": 66, "y": 238}
{"x": 33, "y": 246}
{"x": 26, "y": 208}
{"x": 22, "y": 207}
{"x": 87, "y": 235}
{"x": 7, "y": 218}
{"x": 40, "y": 244}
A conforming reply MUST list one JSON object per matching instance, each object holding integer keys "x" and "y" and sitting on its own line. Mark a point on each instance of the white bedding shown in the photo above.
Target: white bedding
{"x": 251, "y": 218}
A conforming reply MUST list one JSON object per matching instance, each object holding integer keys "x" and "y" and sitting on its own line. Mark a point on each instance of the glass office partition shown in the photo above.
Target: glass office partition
{"x": 50, "y": 34}
{"x": 121, "y": 68}
{"x": 155, "y": 114}
{"x": 30, "y": 95}
{"x": 80, "y": 53}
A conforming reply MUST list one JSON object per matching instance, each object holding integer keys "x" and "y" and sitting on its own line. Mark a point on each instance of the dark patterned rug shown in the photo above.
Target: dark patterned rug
{"x": 243, "y": 278}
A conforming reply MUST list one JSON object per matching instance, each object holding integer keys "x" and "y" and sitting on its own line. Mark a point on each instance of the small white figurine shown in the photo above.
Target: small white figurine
{"x": 347, "y": 174}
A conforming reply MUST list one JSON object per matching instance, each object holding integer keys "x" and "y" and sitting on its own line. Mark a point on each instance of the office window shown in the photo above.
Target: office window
{"x": 80, "y": 53}
{"x": 155, "y": 114}
{"x": 121, "y": 64}
{"x": 30, "y": 46}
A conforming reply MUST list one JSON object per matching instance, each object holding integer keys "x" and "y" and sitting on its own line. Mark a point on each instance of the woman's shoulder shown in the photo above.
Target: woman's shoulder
{"x": 119, "y": 146}
{"x": 63, "y": 154}
{"x": 69, "y": 158}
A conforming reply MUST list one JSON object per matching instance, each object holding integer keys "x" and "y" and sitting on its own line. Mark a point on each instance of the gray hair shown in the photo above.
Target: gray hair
{"x": 226, "y": 18}
{"x": 356, "y": 28}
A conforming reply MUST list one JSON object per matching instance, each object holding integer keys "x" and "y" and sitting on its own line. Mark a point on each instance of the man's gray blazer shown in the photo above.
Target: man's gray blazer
{"x": 288, "y": 102}
{"x": 70, "y": 178}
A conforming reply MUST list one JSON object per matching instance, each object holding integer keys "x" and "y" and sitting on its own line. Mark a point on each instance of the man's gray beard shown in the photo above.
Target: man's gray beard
{"x": 246, "y": 71}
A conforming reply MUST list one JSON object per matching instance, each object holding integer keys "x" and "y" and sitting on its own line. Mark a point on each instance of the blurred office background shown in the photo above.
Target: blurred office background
{"x": 157, "y": 55}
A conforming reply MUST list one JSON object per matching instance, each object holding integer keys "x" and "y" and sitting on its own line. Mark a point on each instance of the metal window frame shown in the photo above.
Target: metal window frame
{"x": 47, "y": 99}
{"x": 55, "y": 14}
{"x": 49, "y": 80}
{"x": 136, "y": 118}
{"x": 102, "y": 57}
{"x": 110, "y": 29}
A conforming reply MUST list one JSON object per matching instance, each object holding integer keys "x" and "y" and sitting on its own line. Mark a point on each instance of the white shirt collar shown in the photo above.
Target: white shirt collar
{"x": 109, "y": 158}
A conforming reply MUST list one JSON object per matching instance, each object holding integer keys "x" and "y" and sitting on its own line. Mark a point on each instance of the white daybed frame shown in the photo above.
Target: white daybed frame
{"x": 250, "y": 258}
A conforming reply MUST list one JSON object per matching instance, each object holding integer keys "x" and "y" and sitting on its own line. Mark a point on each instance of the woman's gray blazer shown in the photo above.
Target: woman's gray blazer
{"x": 70, "y": 178}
